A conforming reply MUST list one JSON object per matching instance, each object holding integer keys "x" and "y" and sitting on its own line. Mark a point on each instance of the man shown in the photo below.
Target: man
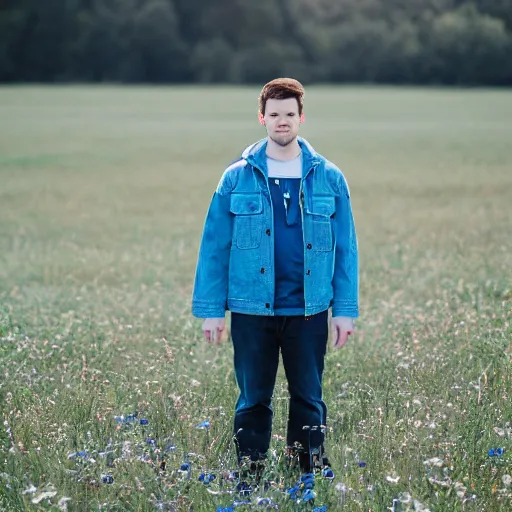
{"x": 278, "y": 249}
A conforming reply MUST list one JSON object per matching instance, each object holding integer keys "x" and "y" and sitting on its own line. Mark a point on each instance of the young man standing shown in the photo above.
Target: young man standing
{"x": 278, "y": 249}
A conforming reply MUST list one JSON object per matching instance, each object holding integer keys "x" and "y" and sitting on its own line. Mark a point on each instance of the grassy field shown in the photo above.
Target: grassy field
{"x": 103, "y": 193}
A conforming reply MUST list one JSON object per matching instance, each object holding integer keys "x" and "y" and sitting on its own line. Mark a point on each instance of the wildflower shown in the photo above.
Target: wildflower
{"x": 82, "y": 453}
{"x": 266, "y": 502}
{"x": 362, "y": 464}
{"x": 126, "y": 419}
{"x": 320, "y": 509}
{"x": 185, "y": 466}
{"x": 328, "y": 473}
{"x": 143, "y": 421}
{"x": 293, "y": 492}
{"x": 43, "y": 496}
{"x": 207, "y": 478}
{"x": 243, "y": 488}
{"x": 107, "y": 479}
{"x": 393, "y": 480}
{"x": 204, "y": 424}
{"x": 496, "y": 452}
{"x": 63, "y": 503}
{"x": 307, "y": 481}
{"x": 507, "y": 480}
{"x": 308, "y": 495}
{"x": 435, "y": 461}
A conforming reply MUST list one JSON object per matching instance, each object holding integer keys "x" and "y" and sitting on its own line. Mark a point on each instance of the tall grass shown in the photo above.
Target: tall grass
{"x": 103, "y": 193}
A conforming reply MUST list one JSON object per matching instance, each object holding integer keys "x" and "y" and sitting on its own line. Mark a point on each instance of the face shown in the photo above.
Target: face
{"x": 282, "y": 120}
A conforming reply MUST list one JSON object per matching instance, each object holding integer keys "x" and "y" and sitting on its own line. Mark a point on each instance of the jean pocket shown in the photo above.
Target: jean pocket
{"x": 321, "y": 212}
{"x": 248, "y": 225}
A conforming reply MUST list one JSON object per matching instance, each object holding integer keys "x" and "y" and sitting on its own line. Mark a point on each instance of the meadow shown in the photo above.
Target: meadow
{"x": 105, "y": 381}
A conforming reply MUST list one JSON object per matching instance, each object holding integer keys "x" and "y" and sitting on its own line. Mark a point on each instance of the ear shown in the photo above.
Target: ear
{"x": 261, "y": 119}
{"x": 302, "y": 117}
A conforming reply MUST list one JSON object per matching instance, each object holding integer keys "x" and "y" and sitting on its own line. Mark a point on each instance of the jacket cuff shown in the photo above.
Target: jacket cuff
{"x": 202, "y": 309}
{"x": 346, "y": 308}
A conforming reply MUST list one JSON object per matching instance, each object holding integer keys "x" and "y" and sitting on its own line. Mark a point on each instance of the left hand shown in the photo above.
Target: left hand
{"x": 342, "y": 327}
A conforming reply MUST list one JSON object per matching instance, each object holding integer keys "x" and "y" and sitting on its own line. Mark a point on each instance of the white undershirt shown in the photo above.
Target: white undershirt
{"x": 286, "y": 168}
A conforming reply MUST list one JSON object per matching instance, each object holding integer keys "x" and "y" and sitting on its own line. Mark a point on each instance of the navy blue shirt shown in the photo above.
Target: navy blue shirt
{"x": 288, "y": 247}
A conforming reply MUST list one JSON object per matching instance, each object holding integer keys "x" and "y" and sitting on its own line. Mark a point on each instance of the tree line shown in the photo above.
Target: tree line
{"x": 455, "y": 42}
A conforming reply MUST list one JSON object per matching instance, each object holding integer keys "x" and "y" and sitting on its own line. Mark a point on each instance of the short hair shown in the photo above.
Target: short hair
{"x": 282, "y": 89}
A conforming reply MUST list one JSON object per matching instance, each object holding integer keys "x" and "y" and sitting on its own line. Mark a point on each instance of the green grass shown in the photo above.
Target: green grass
{"x": 103, "y": 193}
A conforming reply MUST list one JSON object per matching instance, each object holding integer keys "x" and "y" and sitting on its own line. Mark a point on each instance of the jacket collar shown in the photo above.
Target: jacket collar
{"x": 256, "y": 155}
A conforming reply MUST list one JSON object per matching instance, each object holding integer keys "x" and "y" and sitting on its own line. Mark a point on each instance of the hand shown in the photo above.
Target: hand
{"x": 213, "y": 329}
{"x": 342, "y": 327}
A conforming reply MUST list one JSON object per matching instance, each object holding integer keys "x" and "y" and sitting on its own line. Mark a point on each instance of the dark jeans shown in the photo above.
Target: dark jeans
{"x": 257, "y": 341}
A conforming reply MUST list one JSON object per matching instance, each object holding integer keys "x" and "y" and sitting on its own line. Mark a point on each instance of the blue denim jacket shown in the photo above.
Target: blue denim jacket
{"x": 235, "y": 268}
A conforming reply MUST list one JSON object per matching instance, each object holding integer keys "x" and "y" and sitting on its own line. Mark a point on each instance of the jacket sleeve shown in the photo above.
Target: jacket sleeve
{"x": 346, "y": 266}
{"x": 210, "y": 293}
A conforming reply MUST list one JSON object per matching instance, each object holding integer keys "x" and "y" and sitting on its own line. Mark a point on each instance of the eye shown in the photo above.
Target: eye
{"x": 291, "y": 114}
{"x": 273, "y": 115}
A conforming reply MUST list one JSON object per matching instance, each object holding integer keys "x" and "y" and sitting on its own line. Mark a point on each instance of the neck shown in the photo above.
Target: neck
{"x": 278, "y": 152}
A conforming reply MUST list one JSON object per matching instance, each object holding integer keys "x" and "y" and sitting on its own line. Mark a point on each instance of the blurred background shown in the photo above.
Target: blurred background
{"x": 462, "y": 42}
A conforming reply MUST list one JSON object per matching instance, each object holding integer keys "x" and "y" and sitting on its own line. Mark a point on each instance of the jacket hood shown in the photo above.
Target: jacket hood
{"x": 255, "y": 154}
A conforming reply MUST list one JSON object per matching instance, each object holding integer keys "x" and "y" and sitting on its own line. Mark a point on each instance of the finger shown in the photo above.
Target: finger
{"x": 215, "y": 336}
{"x": 207, "y": 335}
{"x": 342, "y": 339}
{"x": 335, "y": 336}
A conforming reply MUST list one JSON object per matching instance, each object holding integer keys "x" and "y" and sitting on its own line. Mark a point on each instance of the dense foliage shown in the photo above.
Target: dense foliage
{"x": 467, "y": 42}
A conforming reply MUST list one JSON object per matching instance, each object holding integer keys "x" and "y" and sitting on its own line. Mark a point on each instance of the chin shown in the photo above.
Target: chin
{"x": 284, "y": 141}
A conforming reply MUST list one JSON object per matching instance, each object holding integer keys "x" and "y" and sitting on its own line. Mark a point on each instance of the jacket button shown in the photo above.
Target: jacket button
{"x": 309, "y": 246}
{"x": 308, "y": 272}
{"x": 268, "y": 232}
{"x": 262, "y": 270}
{"x": 267, "y": 305}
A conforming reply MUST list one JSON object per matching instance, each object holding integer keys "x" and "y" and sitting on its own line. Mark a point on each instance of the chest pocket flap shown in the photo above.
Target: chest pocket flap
{"x": 246, "y": 204}
{"x": 323, "y": 206}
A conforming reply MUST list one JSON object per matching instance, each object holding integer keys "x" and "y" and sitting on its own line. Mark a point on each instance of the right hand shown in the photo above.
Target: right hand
{"x": 213, "y": 329}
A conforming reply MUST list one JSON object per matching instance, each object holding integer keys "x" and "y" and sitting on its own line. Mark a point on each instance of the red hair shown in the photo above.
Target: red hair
{"x": 282, "y": 89}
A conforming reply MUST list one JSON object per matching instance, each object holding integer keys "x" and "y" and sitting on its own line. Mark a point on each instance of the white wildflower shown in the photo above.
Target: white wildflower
{"x": 405, "y": 497}
{"x": 393, "y": 480}
{"x": 63, "y": 504}
{"x": 43, "y": 496}
{"x": 507, "y": 480}
{"x": 499, "y": 431}
{"x": 435, "y": 461}
{"x": 419, "y": 506}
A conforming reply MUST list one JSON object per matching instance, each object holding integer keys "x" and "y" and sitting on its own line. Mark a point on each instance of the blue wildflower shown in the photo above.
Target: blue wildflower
{"x": 143, "y": 421}
{"x": 362, "y": 464}
{"x": 185, "y": 466}
{"x": 150, "y": 441}
{"x": 81, "y": 453}
{"x": 496, "y": 452}
{"x": 320, "y": 509}
{"x": 204, "y": 424}
{"x": 308, "y": 495}
{"x": 107, "y": 479}
{"x": 293, "y": 492}
{"x": 241, "y": 503}
{"x": 225, "y": 509}
{"x": 307, "y": 481}
{"x": 207, "y": 478}
{"x": 328, "y": 473}
{"x": 171, "y": 448}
